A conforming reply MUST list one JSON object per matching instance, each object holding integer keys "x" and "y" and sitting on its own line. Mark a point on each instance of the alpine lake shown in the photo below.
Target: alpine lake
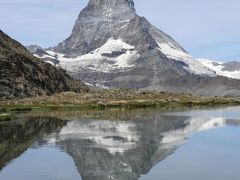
{"x": 118, "y": 144}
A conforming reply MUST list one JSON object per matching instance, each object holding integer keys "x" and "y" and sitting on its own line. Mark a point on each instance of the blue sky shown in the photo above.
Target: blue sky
{"x": 206, "y": 28}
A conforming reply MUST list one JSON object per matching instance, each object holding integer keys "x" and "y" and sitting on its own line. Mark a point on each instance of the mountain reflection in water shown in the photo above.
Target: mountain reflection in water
{"x": 121, "y": 148}
{"x": 17, "y": 136}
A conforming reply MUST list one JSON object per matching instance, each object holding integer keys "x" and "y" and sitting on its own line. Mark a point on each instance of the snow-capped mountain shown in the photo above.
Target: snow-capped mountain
{"x": 227, "y": 69}
{"x": 111, "y": 46}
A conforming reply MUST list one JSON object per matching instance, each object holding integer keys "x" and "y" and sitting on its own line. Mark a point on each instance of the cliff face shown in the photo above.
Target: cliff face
{"x": 102, "y": 20}
{"x": 22, "y": 74}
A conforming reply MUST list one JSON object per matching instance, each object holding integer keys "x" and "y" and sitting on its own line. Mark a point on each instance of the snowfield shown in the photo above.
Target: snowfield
{"x": 193, "y": 66}
{"x": 115, "y": 54}
{"x": 100, "y": 59}
{"x": 218, "y": 67}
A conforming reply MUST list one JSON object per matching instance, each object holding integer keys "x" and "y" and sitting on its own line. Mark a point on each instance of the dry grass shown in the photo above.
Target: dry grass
{"x": 121, "y": 98}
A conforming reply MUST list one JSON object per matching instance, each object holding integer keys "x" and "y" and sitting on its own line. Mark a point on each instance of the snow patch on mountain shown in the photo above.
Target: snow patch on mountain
{"x": 193, "y": 65}
{"x": 114, "y": 54}
{"x": 218, "y": 67}
{"x": 113, "y": 45}
{"x": 45, "y": 56}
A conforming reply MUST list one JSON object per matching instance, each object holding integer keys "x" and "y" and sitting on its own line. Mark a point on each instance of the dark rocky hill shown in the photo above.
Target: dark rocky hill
{"x": 22, "y": 74}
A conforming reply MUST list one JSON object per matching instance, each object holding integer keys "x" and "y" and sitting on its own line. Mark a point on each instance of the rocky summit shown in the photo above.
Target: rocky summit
{"x": 111, "y": 46}
{"x": 22, "y": 74}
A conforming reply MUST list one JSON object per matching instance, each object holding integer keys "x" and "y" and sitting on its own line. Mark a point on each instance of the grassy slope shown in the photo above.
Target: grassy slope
{"x": 100, "y": 99}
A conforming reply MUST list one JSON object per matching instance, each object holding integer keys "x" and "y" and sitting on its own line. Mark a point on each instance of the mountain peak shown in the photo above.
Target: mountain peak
{"x": 99, "y": 21}
{"x": 112, "y": 3}
{"x": 108, "y": 10}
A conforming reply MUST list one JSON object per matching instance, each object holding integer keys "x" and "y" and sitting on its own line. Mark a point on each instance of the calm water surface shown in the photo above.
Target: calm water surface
{"x": 122, "y": 145}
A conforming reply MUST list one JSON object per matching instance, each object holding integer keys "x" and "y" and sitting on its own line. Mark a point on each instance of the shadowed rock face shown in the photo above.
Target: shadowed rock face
{"x": 22, "y": 74}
